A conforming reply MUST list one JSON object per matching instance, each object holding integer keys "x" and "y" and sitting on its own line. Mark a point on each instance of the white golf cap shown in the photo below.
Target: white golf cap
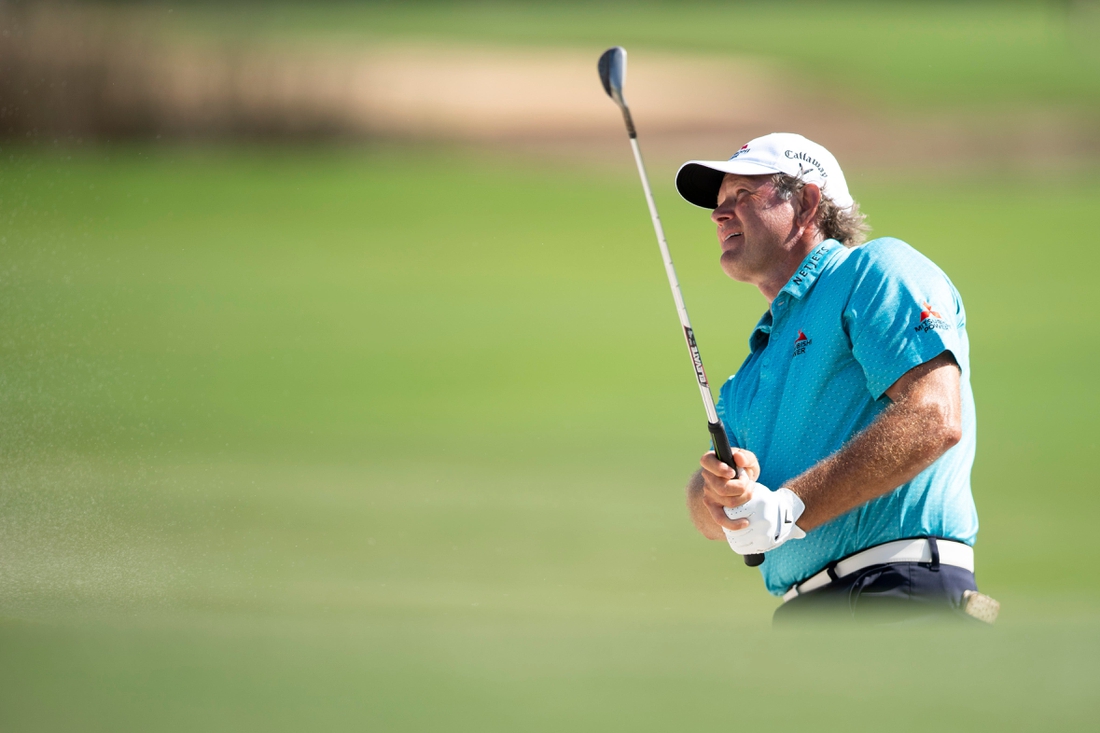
{"x": 698, "y": 181}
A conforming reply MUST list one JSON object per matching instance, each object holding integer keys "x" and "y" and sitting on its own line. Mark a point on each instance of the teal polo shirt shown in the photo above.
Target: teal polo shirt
{"x": 847, "y": 325}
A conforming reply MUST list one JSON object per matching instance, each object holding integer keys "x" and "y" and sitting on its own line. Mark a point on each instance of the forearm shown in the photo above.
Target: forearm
{"x": 904, "y": 440}
{"x": 700, "y": 516}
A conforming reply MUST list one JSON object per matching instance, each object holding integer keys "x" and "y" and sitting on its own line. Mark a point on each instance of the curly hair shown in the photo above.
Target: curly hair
{"x": 847, "y": 226}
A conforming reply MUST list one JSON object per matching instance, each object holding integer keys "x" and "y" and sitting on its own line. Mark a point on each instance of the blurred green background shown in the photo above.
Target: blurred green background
{"x": 390, "y": 432}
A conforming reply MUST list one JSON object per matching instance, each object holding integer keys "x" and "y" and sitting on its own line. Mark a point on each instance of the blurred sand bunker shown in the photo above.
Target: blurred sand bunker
{"x": 75, "y": 75}
{"x": 68, "y": 75}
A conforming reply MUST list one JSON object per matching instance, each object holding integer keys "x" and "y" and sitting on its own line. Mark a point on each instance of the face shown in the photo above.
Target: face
{"x": 755, "y": 227}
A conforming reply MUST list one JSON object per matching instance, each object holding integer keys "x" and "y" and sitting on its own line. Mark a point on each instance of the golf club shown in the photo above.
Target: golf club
{"x": 612, "y": 68}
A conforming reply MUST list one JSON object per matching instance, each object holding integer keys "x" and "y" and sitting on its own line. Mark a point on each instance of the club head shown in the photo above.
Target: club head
{"x": 613, "y": 73}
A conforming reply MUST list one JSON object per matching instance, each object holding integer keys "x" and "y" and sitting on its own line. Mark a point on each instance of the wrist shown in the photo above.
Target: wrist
{"x": 797, "y": 506}
{"x": 805, "y": 517}
{"x": 793, "y": 503}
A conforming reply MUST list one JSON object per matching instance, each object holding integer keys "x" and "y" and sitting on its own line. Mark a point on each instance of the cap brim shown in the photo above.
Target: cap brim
{"x": 698, "y": 181}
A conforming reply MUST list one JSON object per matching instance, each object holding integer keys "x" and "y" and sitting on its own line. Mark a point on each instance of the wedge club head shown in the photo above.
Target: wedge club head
{"x": 612, "y": 68}
{"x": 613, "y": 73}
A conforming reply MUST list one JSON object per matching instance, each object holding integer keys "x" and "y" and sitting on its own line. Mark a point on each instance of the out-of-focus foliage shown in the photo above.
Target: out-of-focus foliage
{"x": 927, "y": 53}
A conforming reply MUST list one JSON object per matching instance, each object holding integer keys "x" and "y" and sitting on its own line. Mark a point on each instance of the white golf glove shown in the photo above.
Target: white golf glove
{"x": 772, "y": 516}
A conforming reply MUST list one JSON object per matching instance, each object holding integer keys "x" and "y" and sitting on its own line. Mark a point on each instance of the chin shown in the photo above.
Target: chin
{"x": 731, "y": 267}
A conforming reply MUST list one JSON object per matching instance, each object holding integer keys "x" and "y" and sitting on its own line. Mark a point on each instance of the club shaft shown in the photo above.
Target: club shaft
{"x": 674, "y": 284}
{"x": 612, "y": 69}
{"x": 718, "y": 433}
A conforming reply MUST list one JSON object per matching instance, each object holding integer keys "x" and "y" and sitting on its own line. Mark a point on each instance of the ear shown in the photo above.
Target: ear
{"x": 809, "y": 198}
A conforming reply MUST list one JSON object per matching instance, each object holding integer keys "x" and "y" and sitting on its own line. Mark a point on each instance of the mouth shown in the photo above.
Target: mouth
{"x": 730, "y": 239}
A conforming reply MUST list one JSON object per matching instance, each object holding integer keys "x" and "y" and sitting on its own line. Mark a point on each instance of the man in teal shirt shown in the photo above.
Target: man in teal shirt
{"x": 852, "y": 415}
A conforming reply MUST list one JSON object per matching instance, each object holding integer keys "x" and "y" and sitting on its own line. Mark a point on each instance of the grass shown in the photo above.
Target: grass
{"x": 394, "y": 438}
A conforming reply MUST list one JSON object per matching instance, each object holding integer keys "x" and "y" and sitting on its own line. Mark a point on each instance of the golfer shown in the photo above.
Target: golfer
{"x": 852, "y": 415}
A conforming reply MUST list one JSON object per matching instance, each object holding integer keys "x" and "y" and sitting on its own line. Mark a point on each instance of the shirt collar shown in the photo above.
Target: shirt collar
{"x": 804, "y": 277}
{"x": 796, "y": 287}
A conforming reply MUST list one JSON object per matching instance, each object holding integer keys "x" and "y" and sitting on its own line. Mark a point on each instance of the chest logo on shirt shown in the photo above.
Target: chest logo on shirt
{"x": 801, "y": 343}
{"x": 930, "y": 320}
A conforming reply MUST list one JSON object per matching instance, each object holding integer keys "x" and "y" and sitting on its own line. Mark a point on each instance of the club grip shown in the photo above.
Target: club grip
{"x": 722, "y": 445}
{"x": 725, "y": 455}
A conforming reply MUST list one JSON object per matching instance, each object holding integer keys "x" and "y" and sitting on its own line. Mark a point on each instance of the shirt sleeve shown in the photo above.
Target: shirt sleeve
{"x": 902, "y": 312}
{"x": 721, "y": 407}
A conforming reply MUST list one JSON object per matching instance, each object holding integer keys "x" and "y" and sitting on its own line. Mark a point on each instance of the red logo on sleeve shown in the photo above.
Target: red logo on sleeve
{"x": 930, "y": 319}
{"x": 928, "y": 312}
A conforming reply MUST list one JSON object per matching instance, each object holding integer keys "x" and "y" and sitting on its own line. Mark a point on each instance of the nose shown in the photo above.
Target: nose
{"x": 721, "y": 215}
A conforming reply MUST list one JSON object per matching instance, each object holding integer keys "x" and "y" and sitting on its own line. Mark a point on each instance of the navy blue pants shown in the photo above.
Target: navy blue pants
{"x": 904, "y": 592}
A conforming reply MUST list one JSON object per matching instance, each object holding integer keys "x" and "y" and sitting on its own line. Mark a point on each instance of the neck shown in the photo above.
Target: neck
{"x": 787, "y": 265}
